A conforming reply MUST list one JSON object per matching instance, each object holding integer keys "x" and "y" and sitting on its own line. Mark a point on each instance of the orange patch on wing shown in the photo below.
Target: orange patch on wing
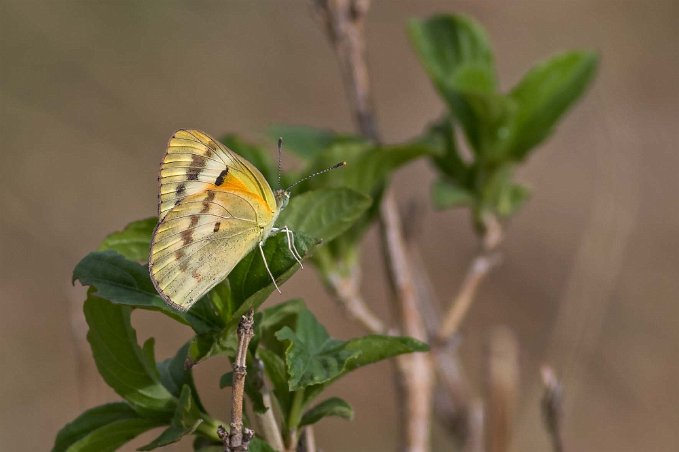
{"x": 233, "y": 184}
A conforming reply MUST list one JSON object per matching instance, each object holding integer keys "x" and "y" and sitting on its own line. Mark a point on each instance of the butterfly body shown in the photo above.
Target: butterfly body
{"x": 214, "y": 208}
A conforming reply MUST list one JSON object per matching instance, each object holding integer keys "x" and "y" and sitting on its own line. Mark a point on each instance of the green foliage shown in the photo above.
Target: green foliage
{"x": 133, "y": 241}
{"x": 312, "y": 360}
{"x": 291, "y": 352}
{"x": 331, "y": 407}
{"x": 500, "y": 129}
{"x": 105, "y": 427}
{"x": 308, "y": 142}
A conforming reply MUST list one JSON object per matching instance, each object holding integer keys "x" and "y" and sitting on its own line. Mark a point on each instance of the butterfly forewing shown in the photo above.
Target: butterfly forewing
{"x": 194, "y": 161}
{"x": 214, "y": 207}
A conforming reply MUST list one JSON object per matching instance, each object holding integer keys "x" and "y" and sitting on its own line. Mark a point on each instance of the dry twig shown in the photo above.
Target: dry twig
{"x": 552, "y": 407}
{"x": 344, "y": 23}
{"x": 477, "y": 271}
{"x": 238, "y": 438}
{"x": 502, "y": 380}
{"x": 266, "y": 422}
{"x": 346, "y": 290}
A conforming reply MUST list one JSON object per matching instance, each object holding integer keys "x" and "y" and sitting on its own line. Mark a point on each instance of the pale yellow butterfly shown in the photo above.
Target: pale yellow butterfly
{"x": 214, "y": 208}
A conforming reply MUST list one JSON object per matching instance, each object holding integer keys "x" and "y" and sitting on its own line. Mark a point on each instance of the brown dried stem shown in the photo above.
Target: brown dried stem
{"x": 238, "y": 438}
{"x": 478, "y": 269}
{"x": 346, "y": 290}
{"x": 266, "y": 422}
{"x": 552, "y": 407}
{"x": 344, "y": 23}
{"x": 501, "y": 383}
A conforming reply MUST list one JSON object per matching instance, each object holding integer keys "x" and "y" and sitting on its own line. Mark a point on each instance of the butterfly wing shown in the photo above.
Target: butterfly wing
{"x": 214, "y": 208}
{"x": 194, "y": 161}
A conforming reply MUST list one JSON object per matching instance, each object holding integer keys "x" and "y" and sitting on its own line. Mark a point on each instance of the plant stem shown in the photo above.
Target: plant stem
{"x": 266, "y": 422}
{"x": 552, "y": 407}
{"x": 344, "y": 22}
{"x": 346, "y": 290}
{"x": 478, "y": 269}
{"x": 294, "y": 417}
{"x": 239, "y": 437}
{"x": 501, "y": 388}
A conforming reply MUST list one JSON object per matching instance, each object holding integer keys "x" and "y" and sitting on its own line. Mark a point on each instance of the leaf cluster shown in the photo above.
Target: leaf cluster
{"x": 500, "y": 130}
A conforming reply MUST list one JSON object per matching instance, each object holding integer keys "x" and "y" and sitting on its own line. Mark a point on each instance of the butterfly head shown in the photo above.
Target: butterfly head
{"x": 282, "y": 198}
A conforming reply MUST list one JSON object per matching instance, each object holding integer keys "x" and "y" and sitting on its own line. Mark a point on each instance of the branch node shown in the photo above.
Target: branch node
{"x": 238, "y": 438}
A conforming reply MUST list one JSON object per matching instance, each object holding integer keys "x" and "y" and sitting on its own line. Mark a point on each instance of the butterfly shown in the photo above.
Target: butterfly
{"x": 214, "y": 207}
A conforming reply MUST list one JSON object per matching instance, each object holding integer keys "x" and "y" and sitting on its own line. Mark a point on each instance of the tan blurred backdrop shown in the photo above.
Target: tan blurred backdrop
{"x": 91, "y": 91}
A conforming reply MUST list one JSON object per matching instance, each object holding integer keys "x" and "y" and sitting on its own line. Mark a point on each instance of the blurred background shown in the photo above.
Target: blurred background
{"x": 91, "y": 91}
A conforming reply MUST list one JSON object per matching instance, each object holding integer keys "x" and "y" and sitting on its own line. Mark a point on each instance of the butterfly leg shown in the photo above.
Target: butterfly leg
{"x": 291, "y": 243}
{"x": 266, "y": 264}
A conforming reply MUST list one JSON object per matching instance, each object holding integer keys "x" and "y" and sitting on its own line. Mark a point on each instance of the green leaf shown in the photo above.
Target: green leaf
{"x": 133, "y": 242}
{"x": 324, "y": 213}
{"x": 440, "y": 136}
{"x": 175, "y": 373}
{"x": 545, "y": 93}
{"x": 257, "y": 444}
{"x": 186, "y": 419}
{"x": 121, "y": 362}
{"x": 454, "y": 49}
{"x": 330, "y": 407}
{"x": 249, "y": 280}
{"x": 92, "y": 420}
{"x": 374, "y": 348}
{"x": 448, "y": 195}
{"x": 120, "y": 281}
{"x": 312, "y": 356}
{"x": 457, "y": 57}
{"x": 256, "y": 155}
{"x": 113, "y": 435}
{"x": 307, "y": 142}
{"x": 367, "y": 167}
{"x": 204, "y": 346}
{"x": 270, "y": 320}
{"x": 128, "y": 283}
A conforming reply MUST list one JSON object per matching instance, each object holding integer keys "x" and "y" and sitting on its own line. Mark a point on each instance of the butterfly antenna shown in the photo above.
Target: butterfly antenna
{"x": 280, "y": 151}
{"x": 333, "y": 167}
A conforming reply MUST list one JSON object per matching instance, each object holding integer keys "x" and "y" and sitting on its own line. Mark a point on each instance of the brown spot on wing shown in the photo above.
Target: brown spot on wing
{"x": 197, "y": 276}
{"x": 194, "y": 220}
{"x": 187, "y": 236}
{"x": 181, "y": 188}
{"x": 220, "y": 179}
{"x": 179, "y": 254}
{"x": 197, "y": 165}
{"x": 207, "y": 201}
{"x": 217, "y": 225}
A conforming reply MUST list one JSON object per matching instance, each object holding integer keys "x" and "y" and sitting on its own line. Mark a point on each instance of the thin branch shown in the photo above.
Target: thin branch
{"x": 552, "y": 407}
{"x": 501, "y": 383}
{"x": 309, "y": 439}
{"x": 266, "y": 422}
{"x": 238, "y": 438}
{"x": 346, "y": 290}
{"x": 478, "y": 269}
{"x": 457, "y": 311}
{"x": 344, "y": 23}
